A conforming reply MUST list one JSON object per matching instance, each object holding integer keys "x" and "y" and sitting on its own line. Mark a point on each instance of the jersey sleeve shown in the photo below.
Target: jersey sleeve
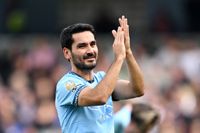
{"x": 101, "y": 74}
{"x": 67, "y": 91}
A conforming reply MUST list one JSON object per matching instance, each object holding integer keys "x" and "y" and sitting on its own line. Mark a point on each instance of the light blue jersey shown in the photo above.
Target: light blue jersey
{"x": 76, "y": 119}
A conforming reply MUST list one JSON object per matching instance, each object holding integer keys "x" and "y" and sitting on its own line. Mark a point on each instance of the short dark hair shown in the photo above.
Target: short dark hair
{"x": 145, "y": 116}
{"x": 66, "y": 34}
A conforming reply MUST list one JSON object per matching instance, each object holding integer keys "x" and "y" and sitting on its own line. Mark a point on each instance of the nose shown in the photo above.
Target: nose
{"x": 90, "y": 49}
{"x": 90, "y": 53}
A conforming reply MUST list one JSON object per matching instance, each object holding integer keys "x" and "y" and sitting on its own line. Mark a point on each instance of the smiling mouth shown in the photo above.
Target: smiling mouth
{"x": 89, "y": 56}
{"x": 90, "y": 59}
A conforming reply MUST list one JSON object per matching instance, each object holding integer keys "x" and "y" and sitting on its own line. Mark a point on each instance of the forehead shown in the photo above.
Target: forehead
{"x": 81, "y": 37}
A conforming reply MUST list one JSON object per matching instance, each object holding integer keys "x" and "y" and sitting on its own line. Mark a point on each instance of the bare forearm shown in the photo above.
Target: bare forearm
{"x": 136, "y": 76}
{"x": 107, "y": 85}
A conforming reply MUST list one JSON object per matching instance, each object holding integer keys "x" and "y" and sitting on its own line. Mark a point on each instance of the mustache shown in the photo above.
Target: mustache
{"x": 89, "y": 55}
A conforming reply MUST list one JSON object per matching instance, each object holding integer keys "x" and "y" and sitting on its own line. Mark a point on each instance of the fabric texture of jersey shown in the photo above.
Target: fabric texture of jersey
{"x": 76, "y": 119}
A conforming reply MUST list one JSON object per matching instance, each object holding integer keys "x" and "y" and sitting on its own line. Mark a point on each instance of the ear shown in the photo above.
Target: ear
{"x": 67, "y": 53}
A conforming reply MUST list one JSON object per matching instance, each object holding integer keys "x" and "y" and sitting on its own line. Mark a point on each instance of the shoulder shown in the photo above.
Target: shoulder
{"x": 100, "y": 74}
{"x": 68, "y": 80}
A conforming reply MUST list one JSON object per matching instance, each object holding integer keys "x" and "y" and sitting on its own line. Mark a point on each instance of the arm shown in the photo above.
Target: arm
{"x": 135, "y": 86}
{"x": 100, "y": 94}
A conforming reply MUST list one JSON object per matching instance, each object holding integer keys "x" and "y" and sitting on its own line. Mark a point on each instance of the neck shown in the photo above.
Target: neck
{"x": 87, "y": 74}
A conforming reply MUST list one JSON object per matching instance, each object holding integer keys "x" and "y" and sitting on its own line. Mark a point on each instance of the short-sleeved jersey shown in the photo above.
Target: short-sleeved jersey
{"x": 78, "y": 119}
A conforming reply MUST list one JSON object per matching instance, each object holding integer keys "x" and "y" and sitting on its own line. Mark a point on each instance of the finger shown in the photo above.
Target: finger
{"x": 117, "y": 35}
{"x": 126, "y": 26}
{"x": 114, "y": 33}
{"x": 126, "y": 30}
{"x": 123, "y": 21}
{"x": 120, "y": 22}
{"x": 120, "y": 37}
{"x": 126, "y": 21}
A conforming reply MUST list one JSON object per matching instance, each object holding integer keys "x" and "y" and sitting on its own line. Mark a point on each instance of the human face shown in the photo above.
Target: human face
{"x": 84, "y": 51}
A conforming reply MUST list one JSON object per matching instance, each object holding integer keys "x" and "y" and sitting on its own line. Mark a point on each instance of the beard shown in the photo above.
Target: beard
{"x": 82, "y": 65}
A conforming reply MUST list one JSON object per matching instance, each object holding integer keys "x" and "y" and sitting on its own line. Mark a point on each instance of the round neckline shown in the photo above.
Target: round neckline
{"x": 89, "y": 81}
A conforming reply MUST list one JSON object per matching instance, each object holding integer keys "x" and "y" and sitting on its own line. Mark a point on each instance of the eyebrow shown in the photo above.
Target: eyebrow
{"x": 83, "y": 43}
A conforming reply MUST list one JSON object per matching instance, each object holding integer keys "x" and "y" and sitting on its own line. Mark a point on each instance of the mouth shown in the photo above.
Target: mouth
{"x": 91, "y": 59}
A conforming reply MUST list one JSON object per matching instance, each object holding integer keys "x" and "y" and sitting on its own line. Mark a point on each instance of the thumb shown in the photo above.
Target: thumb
{"x": 114, "y": 33}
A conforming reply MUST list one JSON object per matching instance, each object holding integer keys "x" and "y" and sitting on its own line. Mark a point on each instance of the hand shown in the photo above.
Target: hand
{"x": 123, "y": 21}
{"x": 118, "y": 44}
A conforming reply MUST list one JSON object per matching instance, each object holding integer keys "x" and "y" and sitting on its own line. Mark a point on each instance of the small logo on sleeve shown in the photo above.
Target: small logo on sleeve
{"x": 70, "y": 85}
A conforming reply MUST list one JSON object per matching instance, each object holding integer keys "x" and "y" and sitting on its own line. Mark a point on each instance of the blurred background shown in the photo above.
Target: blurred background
{"x": 165, "y": 41}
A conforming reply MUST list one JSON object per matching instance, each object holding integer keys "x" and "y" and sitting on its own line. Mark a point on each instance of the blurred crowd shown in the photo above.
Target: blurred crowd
{"x": 28, "y": 78}
{"x": 172, "y": 83}
{"x": 28, "y": 75}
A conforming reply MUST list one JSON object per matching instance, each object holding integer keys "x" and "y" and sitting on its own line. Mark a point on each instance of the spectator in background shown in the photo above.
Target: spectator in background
{"x": 122, "y": 116}
{"x": 29, "y": 90}
{"x": 143, "y": 118}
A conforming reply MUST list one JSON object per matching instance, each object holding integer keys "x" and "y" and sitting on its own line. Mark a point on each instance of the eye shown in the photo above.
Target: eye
{"x": 93, "y": 43}
{"x": 81, "y": 45}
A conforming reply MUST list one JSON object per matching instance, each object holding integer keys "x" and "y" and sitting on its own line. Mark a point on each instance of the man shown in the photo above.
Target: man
{"x": 84, "y": 98}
